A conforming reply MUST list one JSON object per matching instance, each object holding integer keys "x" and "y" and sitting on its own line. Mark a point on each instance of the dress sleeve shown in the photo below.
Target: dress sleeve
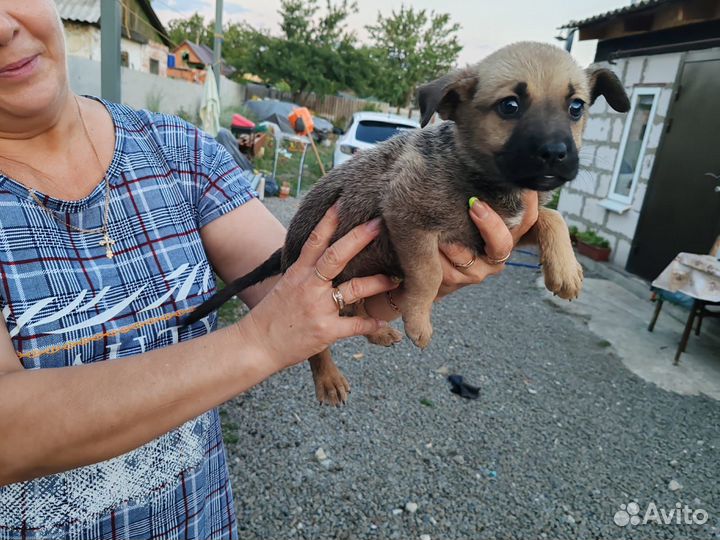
{"x": 220, "y": 183}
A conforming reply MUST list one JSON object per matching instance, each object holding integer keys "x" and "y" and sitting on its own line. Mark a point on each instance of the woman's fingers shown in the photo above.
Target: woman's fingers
{"x": 358, "y": 326}
{"x": 319, "y": 238}
{"x": 335, "y": 258}
{"x": 356, "y": 289}
{"x": 498, "y": 240}
{"x": 457, "y": 255}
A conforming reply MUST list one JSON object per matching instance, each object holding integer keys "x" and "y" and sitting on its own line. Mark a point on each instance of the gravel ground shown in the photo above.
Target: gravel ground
{"x": 561, "y": 435}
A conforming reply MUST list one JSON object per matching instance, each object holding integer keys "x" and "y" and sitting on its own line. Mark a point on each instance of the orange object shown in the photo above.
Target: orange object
{"x": 303, "y": 114}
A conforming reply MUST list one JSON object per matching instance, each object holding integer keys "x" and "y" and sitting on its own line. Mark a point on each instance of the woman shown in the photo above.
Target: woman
{"x": 111, "y": 221}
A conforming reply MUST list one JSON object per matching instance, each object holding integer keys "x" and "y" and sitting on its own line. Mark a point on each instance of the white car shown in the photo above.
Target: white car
{"x": 365, "y": 130}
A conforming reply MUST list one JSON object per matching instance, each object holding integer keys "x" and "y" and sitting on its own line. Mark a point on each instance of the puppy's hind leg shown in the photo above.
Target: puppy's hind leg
{"x": 331, "y": 386}
{"x": 563, "y": 273}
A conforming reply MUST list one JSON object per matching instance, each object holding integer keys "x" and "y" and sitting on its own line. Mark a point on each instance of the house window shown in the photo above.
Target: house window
{"x": 124, "y": 59}
{"x": 154, "y": 66}
{"x": 632, "y": 145}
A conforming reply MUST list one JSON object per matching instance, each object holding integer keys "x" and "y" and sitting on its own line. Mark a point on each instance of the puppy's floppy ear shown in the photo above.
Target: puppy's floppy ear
{"x": 444, "y": 94}
{"x": 604, "y": 82}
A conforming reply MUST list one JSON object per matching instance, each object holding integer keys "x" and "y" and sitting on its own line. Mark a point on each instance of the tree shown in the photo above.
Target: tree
{"x": 316, "y": 52}
{"x": 194, "y": 29}
{"x": 411, "y": 47}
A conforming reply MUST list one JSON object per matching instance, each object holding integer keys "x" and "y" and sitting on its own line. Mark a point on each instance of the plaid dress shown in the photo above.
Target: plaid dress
{"x": 65, "y": 303}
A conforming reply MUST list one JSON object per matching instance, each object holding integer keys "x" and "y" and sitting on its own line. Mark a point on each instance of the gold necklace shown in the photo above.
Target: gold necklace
{"x": 107, "y": 242}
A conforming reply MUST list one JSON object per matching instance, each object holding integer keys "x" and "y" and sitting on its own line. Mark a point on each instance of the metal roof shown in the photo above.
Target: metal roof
{"x": 631, "y": 8}
{"x": 87, "y": 11}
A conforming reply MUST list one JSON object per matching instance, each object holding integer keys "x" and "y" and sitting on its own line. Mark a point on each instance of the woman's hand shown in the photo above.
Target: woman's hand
{"x": 499, "y": 243}
{"x": 299, "y": 317}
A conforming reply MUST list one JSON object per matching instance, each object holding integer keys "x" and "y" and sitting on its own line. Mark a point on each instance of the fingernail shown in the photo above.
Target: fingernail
{"x": 472, "y": 201}
{"x": 396, "y": 279}
{"x": 374, "y": 224}
{"x": 381, "y": 323}
{"x": 479, "y": 208}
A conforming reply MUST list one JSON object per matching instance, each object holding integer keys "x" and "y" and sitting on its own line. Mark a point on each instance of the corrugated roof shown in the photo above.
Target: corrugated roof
{"x": 87, "y": 11}
{"x": 632, "y": 8}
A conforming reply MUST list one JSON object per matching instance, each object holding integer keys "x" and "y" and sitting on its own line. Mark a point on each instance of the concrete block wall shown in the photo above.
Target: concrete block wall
{"x": 579, "y": 200}
{"x": 144, "y": 90}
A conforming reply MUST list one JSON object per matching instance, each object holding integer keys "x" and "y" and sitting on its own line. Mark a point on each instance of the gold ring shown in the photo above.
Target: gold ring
{"x": 498, "y": 261}
{"x": 321, "y": 276}
{"x": 465, "y": 265}
{"x": 338, "y": 299}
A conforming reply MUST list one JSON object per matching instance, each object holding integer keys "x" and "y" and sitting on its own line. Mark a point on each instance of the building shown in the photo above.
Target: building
{"x": 652, "y": 176}
{"x": 144, "y": 43}
{"x": 191, "y": 60}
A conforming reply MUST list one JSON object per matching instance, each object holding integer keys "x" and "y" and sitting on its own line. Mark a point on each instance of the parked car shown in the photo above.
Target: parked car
{"x": 274, "y": 110}
{"x": 365, "y": 130}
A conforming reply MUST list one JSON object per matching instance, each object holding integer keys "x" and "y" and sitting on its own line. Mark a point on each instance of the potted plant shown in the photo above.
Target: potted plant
{"x": 573, "y": 234}
{"x": 591, "y": 244}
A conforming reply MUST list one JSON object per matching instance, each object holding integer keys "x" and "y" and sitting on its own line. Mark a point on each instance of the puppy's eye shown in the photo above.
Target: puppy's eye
{"x": 576, "y": 109}
{"x": 508, "y": 107}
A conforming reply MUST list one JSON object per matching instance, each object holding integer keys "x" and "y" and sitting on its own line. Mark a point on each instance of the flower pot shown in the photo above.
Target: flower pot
{"x": 596, "y": 253}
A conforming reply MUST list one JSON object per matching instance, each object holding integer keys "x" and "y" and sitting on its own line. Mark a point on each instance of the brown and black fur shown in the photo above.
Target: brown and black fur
{"x": 420, "y": 181}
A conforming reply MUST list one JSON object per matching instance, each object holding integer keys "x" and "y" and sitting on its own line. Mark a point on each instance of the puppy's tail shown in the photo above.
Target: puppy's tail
{"x": 271, "y": 267}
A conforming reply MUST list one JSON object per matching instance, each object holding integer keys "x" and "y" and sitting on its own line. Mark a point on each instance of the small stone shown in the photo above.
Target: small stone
{"x": 397, "y": 511}
{"x": 411, "y": 507}
{"x": 674, "y": 485}
{"x": 359, "y": 356}
{"x": 531, "y": 391}
{"x": 373, "y": 526}
{"x": 428, "y": 445}
{"x": 444, "y": 370}
{"x": 673, "y": 462}
{"x": 320, "y": 454}
{"x": 326, "y": 464}
{"x": 459, "y": 459}
{"x": 433, "y": 520}
{"x": 570, "y": 519}
{"x": 424, "y": 537}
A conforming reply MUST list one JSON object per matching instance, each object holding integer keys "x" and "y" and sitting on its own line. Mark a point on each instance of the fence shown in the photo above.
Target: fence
{"x": 332, "y": 107}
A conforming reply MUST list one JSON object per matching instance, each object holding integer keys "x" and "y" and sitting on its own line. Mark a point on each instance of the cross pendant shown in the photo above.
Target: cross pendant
{"x": 108, "y": 243}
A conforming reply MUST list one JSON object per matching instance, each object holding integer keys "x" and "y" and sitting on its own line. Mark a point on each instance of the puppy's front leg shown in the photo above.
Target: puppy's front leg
{"x": 420, "y": 260}
{"x": 563, "y": 274}
{"x": 331, "y": 387}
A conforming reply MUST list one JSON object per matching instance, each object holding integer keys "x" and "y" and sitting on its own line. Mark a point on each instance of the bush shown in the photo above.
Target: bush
{"x": 227, "y": 113}
{"x": 592, "y": 238}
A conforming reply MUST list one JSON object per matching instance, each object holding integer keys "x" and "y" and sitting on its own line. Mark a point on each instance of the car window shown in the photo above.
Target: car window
{"x": 373, "y": 131}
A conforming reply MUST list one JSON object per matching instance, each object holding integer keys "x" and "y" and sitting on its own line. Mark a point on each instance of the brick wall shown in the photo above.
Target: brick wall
{"x": 579, "y": 200}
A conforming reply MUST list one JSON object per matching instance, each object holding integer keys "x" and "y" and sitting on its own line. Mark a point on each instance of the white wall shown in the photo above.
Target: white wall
{"x": 579, "y": 199}
{"x": 143, "y": 90}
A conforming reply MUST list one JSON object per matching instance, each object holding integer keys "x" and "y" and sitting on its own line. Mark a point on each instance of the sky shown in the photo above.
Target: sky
{"x": 486, "y": 25}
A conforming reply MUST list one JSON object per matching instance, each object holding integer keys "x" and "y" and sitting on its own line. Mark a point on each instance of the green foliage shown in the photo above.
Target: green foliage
{"x": 194, "y": 29}
{"x": 316, "y": 53}
{"x": 573, "y": 230}
{"x": 188, "y": 116}
{"x": 411, "y": 47}
{"x": 555, "y": 200}
{"x": 592, "y": 238}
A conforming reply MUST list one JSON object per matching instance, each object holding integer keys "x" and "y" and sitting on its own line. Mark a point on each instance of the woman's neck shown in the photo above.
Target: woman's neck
{"x": 49, "y": 133}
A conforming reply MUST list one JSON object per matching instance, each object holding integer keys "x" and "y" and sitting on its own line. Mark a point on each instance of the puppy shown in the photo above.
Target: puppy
{"x": 514, "y": 122}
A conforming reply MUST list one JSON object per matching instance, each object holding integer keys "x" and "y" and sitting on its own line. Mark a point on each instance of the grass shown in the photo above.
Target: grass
{"x": 232, "y": 310}
{"x": 229, "y": 428}
{"x": 287, "y": 168}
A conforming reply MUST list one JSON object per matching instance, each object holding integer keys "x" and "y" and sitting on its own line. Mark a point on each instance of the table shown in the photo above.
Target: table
{"x": 697, "y": 276}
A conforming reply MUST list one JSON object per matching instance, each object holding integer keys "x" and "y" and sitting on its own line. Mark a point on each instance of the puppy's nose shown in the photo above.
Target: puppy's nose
{"x": 552, "y": 153}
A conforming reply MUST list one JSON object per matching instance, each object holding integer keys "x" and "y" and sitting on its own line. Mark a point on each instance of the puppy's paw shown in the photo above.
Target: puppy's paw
{"x": 419, "y": 331}
{"x": 331, "y": 387}
{"x": 564, "y": 279}
{"x": 385, "y": 336}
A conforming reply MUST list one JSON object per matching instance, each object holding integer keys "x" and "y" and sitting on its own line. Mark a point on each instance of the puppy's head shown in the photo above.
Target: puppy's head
{"x": 522, "y": 111}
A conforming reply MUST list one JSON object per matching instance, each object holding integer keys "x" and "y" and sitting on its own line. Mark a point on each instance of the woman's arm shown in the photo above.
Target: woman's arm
{"x": 240, "y": 241}
{"x": 88, "y": 413}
